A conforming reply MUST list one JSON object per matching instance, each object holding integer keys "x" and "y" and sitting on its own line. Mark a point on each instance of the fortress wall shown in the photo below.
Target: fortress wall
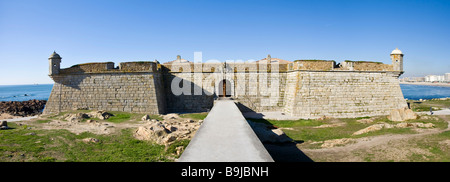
{"x": 318, "y": 65}
{"x": 342, "y": 94}
{"x": 188, "y": 101}
{"x": 130, "y": 92}
{"x": 251, "y": 90}
{"x": 260, "y": 92}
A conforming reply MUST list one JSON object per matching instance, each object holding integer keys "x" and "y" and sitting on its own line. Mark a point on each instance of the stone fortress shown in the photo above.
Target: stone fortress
{"x": 303, "y": 88}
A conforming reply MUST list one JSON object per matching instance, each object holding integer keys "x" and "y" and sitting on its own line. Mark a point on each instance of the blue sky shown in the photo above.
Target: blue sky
{"x": 107, "y": 30}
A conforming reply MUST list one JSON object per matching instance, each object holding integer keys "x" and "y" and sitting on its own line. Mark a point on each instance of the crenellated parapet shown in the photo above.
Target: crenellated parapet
{"x": 108, "y": 67}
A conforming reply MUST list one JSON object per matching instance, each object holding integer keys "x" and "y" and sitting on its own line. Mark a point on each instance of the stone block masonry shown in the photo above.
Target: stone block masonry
{"x": 304, "y": 88}
{"x": 129, "y": 92}
{"x": 342, "y": 94}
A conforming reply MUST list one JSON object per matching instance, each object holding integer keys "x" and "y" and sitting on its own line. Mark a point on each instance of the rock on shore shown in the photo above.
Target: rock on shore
{"x": 24, "y": 108}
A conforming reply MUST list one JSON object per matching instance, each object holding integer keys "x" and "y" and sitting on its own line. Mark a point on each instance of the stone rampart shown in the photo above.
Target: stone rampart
{"x": 342, "y": 94}
{"x": 305, "y": 88}
{"x": 98, "y": 87}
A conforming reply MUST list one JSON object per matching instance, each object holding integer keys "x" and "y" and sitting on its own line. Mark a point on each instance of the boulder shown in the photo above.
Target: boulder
{"x": 402, "y": 114}
{"x": 145, "y": 118}
{"x": 22, "y": 108}
{"x": 91, "y": 140}
{"x": 99, "y": 114}
{"x": 414, "y": 125}
{"x": 171, "y": 116}
{"x": 155, "y": 132}
{"x": 428, "y": 125}
{"x": 169, "y": 138}
{"x": 77, "y": 117}
{"x": 4, "y": 125}
{"x": 374, "y": 127}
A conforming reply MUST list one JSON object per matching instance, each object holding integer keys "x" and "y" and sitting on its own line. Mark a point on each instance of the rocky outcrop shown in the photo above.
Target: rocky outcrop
{"x": 99, "y": 114}
{"x": 91, "y": 140}
{"x": 4, "y": 125}
{"x": 380, "y": 126}
{"x": 402, "y": 114}
{"x": 77, "y": 117}
{"x": 24, "y": 108}
{"x": 167, "y": 131}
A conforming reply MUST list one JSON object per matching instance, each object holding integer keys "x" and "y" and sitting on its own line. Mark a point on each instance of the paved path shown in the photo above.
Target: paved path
{"x": 440, "y": 112}
{"x": 19, "y": 119}
{"x": 225, "y": 136}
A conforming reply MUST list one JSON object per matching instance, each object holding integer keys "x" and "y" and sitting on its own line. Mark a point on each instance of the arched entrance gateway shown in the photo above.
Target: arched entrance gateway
{"x": 225, "y": 88}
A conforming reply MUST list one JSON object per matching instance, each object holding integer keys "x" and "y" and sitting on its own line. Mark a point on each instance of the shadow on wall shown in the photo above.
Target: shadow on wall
{"x": 71, "y": 81}
{"x": 186, "y": 100}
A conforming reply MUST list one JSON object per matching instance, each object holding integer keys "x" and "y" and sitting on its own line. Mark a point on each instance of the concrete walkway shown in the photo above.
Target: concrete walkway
{"x": 440, "y": 112}
{"x": 225, "y": 136}
{"x": 19, "y": 119}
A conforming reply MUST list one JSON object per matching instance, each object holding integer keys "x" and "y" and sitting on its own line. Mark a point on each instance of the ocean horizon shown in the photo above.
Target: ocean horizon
{"x": 42, "y": 92}
{"x": 25, "y": 92}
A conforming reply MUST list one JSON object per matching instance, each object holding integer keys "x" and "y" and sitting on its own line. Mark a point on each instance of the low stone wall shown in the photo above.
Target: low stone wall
{"x": 138, "y": 67}
{"x": 88, "y": 68}
{"x": 313, "y": 65}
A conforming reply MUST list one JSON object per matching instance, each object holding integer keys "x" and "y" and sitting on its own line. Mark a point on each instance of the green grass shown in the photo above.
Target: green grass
{"x": 117, "y": 116}
{"x": 196, "y": 116}
{"x": 172, "y": 149}
{"x": 419, "y": 106}
{"x": 43, "y": 121}
{"x": 304, "y": 129}
{"x": 440, "y": 152}
{"x": 24, "y": 144}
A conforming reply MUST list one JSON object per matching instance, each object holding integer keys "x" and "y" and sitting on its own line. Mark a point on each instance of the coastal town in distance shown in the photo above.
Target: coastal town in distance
{"x": 433, "y": 80}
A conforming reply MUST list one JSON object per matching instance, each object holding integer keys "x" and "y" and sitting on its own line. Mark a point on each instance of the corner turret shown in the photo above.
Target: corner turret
{"x": 397, "y": 60}
{"x": 55, "y": 63}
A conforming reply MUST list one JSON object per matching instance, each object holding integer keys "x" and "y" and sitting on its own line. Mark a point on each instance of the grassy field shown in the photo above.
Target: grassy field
{"x": 435, "y": 104}
{"x": 29, "y": 143}
{"x": 387, "y": 144}
{"x": 23, "y": 143}
{"x": 305, "y": 130}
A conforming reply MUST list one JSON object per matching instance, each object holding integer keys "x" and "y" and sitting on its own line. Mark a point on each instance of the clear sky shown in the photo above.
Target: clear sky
{"x": 129, "y": 30}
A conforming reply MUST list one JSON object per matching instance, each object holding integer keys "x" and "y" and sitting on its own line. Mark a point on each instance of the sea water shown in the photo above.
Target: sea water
{"x": 25, "y": 92}
{"x": 416, "y": 92}
{"x": 42, "y": 92}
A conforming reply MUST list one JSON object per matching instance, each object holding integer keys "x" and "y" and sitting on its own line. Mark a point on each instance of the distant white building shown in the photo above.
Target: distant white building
{"x": 447, "y": 77}
{"x": 435, "y": 78}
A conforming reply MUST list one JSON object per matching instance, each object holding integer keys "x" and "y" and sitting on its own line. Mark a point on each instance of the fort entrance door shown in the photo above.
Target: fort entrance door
{"x": 225, "y": 88}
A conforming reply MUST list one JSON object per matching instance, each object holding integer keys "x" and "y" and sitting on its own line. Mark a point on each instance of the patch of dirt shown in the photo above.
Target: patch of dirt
{"x": 80, "y": 127}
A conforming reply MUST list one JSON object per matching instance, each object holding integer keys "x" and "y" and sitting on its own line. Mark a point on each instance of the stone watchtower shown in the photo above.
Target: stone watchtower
{"x": 55, "y": 64}
{"x": 397, "y": 60}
